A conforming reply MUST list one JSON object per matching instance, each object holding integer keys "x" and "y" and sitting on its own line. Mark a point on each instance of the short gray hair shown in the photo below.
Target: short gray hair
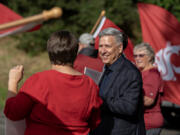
{"x": 86, "y": 39}
{"x": 119, "y": 35}
{"x": 147, "y": 48}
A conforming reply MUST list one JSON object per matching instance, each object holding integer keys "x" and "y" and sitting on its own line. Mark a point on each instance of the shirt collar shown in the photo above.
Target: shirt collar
{"x": 113, "y": 66}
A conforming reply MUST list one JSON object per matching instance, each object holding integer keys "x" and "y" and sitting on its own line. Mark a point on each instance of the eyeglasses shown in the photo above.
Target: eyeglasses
{"x": 139, "y": 55}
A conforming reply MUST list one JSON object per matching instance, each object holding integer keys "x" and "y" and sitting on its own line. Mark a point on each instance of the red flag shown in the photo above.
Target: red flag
{"x": 106, "y": 23}
{"x": 162, "y": 30}
{"x": 7, "y": 15}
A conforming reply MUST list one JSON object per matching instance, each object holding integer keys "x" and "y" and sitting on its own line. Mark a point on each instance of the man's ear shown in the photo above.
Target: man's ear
{"x": 120, "y": 48}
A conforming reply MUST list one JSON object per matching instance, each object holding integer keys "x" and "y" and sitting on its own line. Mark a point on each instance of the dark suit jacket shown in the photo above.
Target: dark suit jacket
{"x": 122, "y": 110}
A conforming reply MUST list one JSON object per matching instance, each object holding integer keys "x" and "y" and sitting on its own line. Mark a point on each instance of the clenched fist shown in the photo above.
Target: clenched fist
{"x": 15, "y": 75}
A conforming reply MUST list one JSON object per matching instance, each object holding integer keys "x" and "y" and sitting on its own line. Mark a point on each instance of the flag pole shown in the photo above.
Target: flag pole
{"x": 45, "y": 15}
{"x": 98, "y": 21}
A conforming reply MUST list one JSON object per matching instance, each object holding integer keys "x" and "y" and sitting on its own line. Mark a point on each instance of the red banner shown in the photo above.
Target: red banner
{"x": 7, "y": 15}
{"x": 106, "y": 23}
{"x": 162, "y": 31}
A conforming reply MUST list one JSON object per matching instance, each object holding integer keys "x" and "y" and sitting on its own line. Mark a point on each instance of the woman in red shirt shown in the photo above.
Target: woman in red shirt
{"x": 152, "y": 85}
{"x": 59, "y": 101}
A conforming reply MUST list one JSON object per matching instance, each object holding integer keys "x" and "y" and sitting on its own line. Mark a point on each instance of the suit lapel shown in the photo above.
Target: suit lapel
{"x": 110, "y": 83}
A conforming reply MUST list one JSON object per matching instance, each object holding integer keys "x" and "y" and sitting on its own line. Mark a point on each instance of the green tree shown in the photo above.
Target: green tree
{"x": 79, "y": 16}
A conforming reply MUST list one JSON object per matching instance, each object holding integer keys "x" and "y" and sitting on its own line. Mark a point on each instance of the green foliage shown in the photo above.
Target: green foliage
{"x": 3, "y": 93}
{"x": 124, "y": 14}
{"x": 79, "y": 16}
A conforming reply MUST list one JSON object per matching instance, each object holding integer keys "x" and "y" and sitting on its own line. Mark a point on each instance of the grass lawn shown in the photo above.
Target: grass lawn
{"x": 3, "y": 92}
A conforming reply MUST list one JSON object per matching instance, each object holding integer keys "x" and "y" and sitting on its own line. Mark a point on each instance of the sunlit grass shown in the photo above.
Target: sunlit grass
{"x": 3, "y": 93}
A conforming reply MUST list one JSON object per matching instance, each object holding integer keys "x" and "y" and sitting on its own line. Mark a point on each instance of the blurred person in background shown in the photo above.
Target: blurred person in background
{"x": 59, "y": 101}
{"x": 87, "y": 54}
{"x": 152, "y": 85}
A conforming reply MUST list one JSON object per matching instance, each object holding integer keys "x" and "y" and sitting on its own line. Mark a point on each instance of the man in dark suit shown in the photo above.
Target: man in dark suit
{"x": 120, "y": 88}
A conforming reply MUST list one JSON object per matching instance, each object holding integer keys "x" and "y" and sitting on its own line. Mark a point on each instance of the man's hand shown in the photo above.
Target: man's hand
{"x": 148, "y": 101}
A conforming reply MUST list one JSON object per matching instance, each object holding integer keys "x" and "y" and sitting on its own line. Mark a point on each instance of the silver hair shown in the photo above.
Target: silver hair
{"x": 119, "y": 36}
{"x": 86, "y": 39}
{"x": 149, "y": 50}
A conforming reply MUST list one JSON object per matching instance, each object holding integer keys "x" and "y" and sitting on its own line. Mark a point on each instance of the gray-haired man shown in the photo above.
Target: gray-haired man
{"x": 120, "y": 88}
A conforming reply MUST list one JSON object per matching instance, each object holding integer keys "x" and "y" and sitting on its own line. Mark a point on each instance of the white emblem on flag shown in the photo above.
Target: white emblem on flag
{"x": 163, "y": 61}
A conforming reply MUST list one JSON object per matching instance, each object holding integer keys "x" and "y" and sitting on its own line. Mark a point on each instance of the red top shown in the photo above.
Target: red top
{"x": 83, "y": 61}
{"x": 56, "y": 103}
{"x": 152, "y": 85}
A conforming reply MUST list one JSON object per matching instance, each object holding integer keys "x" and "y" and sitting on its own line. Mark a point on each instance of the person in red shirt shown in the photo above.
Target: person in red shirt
{"x": 87, "y": 55}
{"x": 152, "y": 85}
{"x": 58, "y": 101}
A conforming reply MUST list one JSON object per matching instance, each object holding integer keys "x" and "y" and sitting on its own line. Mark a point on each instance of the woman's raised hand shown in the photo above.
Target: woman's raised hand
{"x": 15, "y": 75}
